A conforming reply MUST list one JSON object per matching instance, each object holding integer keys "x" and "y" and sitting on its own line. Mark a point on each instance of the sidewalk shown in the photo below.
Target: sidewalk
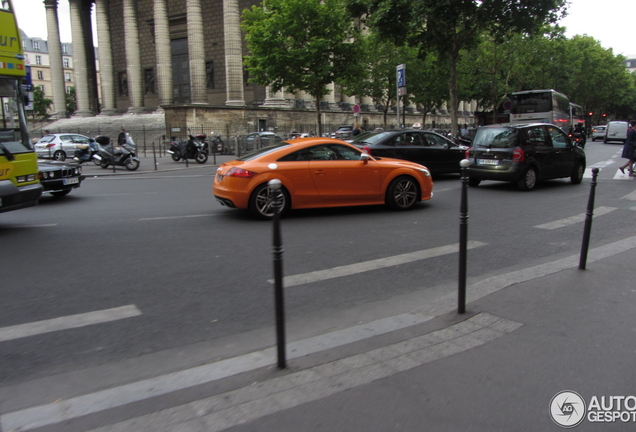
{"x": 150, "y": 163}
{"x": 528, "y": 334}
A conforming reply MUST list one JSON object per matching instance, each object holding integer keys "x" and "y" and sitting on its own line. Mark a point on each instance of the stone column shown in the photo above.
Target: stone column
{"x": 196, "y": 50}
{"x": 275, "y": 99}
{"x": 163, "y": 53}
{"x": 55, "y": 59}
{"x": 106, "y": 70}
{"x": 133, "y": 58}
{"x": 233, "y": 54}
{"x": 80, "y": 67}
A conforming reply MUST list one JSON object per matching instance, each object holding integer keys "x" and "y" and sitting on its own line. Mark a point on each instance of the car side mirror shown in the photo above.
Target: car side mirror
{"x": 365, "y": 158}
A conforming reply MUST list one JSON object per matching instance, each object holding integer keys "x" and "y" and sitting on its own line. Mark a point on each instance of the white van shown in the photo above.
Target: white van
{"x": 616, "y": 131}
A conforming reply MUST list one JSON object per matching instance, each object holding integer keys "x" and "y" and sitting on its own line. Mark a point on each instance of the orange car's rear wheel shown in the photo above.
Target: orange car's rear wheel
{"x": 261, "y": 202}
{"x": 403, "y": 193}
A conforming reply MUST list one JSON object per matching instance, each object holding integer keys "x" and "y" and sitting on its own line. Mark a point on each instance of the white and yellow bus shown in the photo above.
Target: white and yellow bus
{"x": 19, "y": 185}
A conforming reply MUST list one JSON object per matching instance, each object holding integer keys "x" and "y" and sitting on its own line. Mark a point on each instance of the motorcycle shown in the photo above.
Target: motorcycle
{"x": 119, "y": 155}
{"x": 219, "y": 146}
{"x": 196, "y": 148}
{"x": 578, "y": 138}
{"x": 87, "y": 152}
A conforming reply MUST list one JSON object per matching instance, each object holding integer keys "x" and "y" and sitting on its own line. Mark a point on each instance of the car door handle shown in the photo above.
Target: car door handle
{"x": 319, "y": 172}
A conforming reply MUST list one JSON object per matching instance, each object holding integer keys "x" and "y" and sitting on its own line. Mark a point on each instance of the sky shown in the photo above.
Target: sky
{"x": 611, "y": 22}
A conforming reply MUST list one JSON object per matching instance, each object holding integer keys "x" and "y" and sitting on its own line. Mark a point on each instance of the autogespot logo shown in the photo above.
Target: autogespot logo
{"x": 567, "y": 409}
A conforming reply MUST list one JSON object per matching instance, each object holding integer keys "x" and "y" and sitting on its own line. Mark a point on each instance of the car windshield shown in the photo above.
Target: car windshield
{"x": 495, "y": 137}
{"x": 263, "y": 151}
{"x": 370, "y": 137}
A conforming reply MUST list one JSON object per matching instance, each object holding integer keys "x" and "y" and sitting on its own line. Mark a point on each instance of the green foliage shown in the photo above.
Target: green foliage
{"x": 41, "y": 105}
{"x": 71, "y": 104}
{"x": 301, "y": 45}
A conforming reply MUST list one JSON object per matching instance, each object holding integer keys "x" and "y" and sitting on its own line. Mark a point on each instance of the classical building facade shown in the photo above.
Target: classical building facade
{"x": 185, "y": 57}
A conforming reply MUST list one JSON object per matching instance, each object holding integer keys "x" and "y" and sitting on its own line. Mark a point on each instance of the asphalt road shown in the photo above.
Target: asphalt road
{"x": 190, "y": 276}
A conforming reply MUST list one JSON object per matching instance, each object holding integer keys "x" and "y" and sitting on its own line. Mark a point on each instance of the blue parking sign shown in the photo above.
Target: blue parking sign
{"x": 401, "y": 75}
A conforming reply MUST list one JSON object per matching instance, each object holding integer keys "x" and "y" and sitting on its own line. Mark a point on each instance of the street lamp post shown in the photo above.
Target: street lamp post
{"x": 276, "y": 197}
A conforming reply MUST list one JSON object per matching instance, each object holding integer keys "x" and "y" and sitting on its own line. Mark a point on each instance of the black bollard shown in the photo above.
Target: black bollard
{"x": 276, "y": 197}
{"x": 463, "y": 239}
{"x": 589, "y": 213}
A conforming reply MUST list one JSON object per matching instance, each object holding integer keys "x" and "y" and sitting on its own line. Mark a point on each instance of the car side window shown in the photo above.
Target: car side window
{"x": 80, "y": 139}
{"x": 559, "y": 139}
{"x": 435, "y": 141}
{"x": 536, "y": 136}
{"x": 66, "y": 138}
{"x": 413, "y": 139}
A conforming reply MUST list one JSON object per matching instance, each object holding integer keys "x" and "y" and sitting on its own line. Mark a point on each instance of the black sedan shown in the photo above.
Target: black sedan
{"x": 59, "y": 179}
{"x": 437, "y": 153}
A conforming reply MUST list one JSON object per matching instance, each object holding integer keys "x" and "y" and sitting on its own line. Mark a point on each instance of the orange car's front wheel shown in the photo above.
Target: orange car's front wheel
{"x": 261, "y": 202}
{"x": 403, "y": 193}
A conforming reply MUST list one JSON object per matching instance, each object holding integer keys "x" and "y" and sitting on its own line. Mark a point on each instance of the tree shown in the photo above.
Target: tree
{"x": 448, "y": 26}
{"x": 71, "y": 104}
{"x": 302, "y": 45}
{"x": 41, "y": 104}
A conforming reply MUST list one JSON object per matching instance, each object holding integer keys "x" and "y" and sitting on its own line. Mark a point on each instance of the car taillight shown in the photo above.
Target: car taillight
{"x": 467, "y": 154}
{"x": 518, "y": 155}
{"x": 240, "y": 172}
{"x": 367, "y": 150}
{"x": 50, "y": 145}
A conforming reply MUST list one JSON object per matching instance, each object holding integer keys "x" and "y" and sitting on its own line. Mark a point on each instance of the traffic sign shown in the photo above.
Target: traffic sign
{"x": 356, "y": 109}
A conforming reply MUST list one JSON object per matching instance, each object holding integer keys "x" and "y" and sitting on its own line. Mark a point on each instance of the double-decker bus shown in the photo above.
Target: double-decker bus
{"x": 541, "y": 106}
{"x": 19, "y": 185}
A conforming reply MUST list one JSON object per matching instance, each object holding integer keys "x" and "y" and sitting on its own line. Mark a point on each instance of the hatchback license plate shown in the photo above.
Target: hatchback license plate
{"x": 487, "y": 162}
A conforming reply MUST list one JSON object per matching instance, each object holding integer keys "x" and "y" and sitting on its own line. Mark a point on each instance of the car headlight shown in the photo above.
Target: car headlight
{"x": 426, "y": 172}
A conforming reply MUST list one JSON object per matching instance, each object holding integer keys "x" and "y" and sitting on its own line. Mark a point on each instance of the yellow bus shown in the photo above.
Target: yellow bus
{"x": 19, "y": 185}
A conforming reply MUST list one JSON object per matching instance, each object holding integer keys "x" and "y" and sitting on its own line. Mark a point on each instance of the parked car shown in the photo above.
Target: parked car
{"x": 59, "y": 146}
{"x": 438, "y": 153}
{"x": 319, "y": 172}
{"x": 59, "y": 179}
{"x": 343, "y": 132}
{"x": 524, "y": 154}
{"x": 616, "y": 131}
{"x": 256, "y": 140}
{"x": 598, "y": 132}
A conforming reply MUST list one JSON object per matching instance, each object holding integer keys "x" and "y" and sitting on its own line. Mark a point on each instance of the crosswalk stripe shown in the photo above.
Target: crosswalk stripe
{"x": 574, "y": 219}
{"x": 67, "y": 322}
{"x": 376, "y": 264}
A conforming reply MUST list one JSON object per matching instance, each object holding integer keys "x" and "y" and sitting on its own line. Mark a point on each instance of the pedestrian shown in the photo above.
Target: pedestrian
{"x": 629, "y": 148}
{"x": 356, "y": 129}
{"x": 121, "y": 139}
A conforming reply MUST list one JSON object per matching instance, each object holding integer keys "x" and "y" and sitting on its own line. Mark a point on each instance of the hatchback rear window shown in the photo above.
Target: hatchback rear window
{"x": 495, "y": 137}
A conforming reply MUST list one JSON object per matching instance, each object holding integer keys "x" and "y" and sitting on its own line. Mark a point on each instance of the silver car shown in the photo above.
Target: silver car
{"x": 59, "y": 146}
{"x": 598, "y": 132}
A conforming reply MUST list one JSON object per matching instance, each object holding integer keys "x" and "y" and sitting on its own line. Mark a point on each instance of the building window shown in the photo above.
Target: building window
{"x": 64, "y": 49}
{"x": 149, "y": 81}
{"x": 36, "y": 46}
{"x": 67, "y": 62}
{"x": 68, "y": 89}
{"x": 67, "y": 76}
{"x": 42, "y": 88}
{"x": 122, "y": 79}
{"x": 246, "y": 76}
{"x": 40, "y": 75}
{"x": 209, "y": 74}
{"x": 38, "y": 60}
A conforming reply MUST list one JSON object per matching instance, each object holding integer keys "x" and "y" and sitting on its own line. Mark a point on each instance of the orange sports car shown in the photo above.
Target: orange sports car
{"x": 319, "y": 172}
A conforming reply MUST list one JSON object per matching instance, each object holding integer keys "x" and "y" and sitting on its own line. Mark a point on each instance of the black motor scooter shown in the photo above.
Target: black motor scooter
{"x": 119, "y": 155}
{"x": 196, "y": 148}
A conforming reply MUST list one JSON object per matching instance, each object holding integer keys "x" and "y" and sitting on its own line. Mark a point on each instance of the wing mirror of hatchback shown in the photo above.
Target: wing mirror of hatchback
{"x": 365, "y": 158}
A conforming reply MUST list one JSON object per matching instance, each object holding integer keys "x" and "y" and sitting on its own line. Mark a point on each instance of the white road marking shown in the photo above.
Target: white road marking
{"x": 67, "y": 322}
{"x": 362, "y": 267}
{"x": 32, "y": 226}
{"x": 176, "y": 217}
{"x": 574, "y": 219}
{"x": 630, "y": 196}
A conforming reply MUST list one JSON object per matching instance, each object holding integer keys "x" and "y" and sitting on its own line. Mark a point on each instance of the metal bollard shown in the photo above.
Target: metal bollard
{"x": 276, "y": 197}
{"x": 589, "y": 213}
{"x": 463, "y": 239}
